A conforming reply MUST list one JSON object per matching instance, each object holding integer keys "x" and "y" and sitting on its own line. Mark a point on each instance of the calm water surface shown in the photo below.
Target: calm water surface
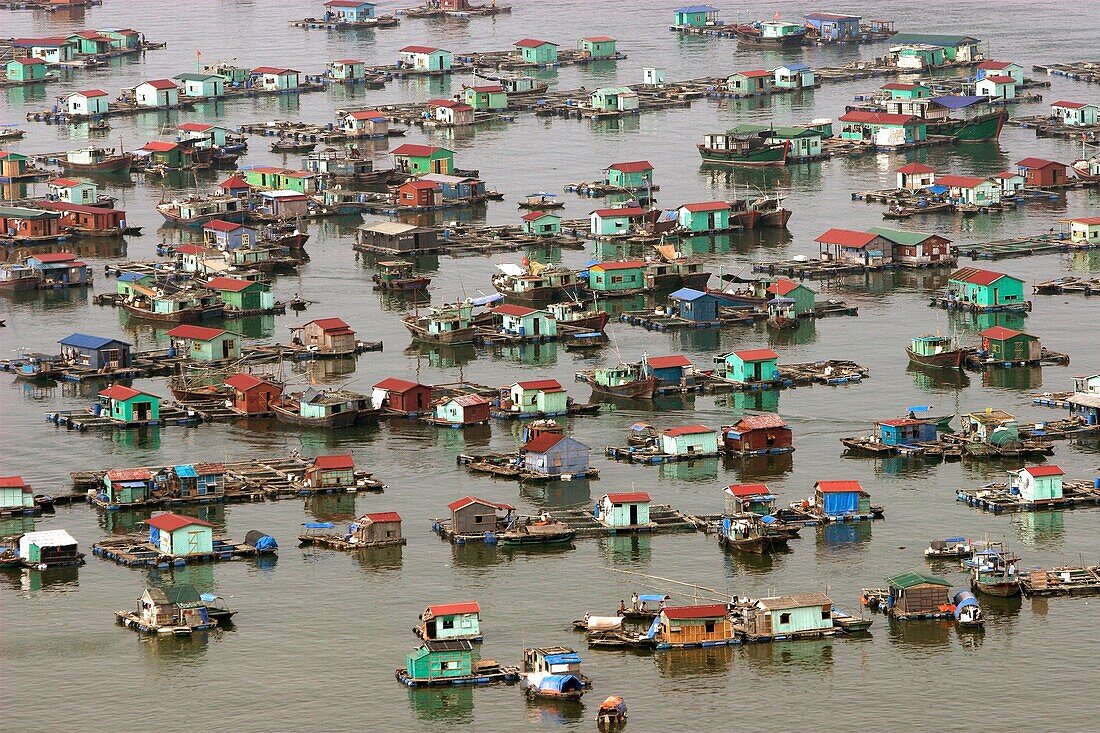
{"x": 320, "y": 632}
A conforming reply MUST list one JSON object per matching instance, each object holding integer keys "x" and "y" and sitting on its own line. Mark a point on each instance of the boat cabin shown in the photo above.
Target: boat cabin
{"x": 527, "y": 323}
{"x": 758, "y": 434}
{"x": 16, "y": 497}
{"x": 624, "y": 510}
{"x": 473, "y": 516}
{"x": 1002, "y": 344}
{"x": 805, "y": 614}
{"x": 48, "y": 548}
{"x": 749, "y": 365}
{"x": 556, "y": 455}
{"x": 996, "y": 86}
{"x": 749, "y": 499}
{"x": 23, "y": 224}
{"x": 180, "y": 535}
{"x": 329, "y": 335}
{"x": 597, "y": 47}
{"x": 204, "y": 344}
{"x": 794, "y": 76}
{"x": 122, "y": 403}
{"x": 692, "y": 626}
{"x": 330, "y": 471}
{"x": 252, "y": 395}
{"x": 450, "y": 113}
{"x": 485, "y": 97}
{"x": 440, "y": 660}
{"x": 463, "y": 410}
{"x": 609, "y": 222}
{"x": 1000, "y": 68}
{"x": 538, "y": 396}
{"x": 95, "y": 352}
{"x": 839, "y": 499}
{"x": 395, "y": 236}
{"x": 1038, "y": 483}
{"x": 917, "y": 595}
{"x": 123, "y": 486}
{"x": 690, "y": 440}
{"x": 883, "y": 129}
{"x": 448, "y": 621}
{"x": 377, "y": 528}
{"x": 402, "y": 396}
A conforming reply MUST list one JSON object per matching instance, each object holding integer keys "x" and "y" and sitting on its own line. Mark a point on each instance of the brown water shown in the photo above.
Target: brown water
{"x": 320, "y": 632}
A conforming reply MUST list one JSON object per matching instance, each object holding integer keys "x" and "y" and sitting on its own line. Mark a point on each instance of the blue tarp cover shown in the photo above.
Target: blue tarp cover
{"x": 767, "y": 519}
{"x": 317, "y": 525}
{"x": 652, "y": 598}
{"x": 842, "y": 502}
{"x": 208, "y": 597}
{"x": 186, "y": 472}
{"x": 957, "y": 102}
{"x": 573, "y": 658}
{"x": 267, "y": 542}
{"x": 560, "y": 682}
{"x": 653, "y": 628}
{"x": 131, "y": 484}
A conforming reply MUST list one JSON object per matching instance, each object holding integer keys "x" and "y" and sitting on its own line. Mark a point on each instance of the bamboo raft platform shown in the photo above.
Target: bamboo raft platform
{"x": 133, "y": 552}
{"x": 1064, "y": 580}
{"x": 306, "y": 131}
{"x": 1068, "y": 285}
{"x": 117, "y": 109}
{"x": 1086, "y": 71}
{"x": 380, "y": 21}
{"x": 663, "y": 518}
{"x": 652, "y": 457}
{"x": 301, "y": 352}
{"x": 508, "y": 466}
{"x": 1059, "y": 400}
{"x": 998, "y": 498}
{"x": 81, "y": 420}
{"x": 974, "y": 362}
{"x": 820, "y": 270}
{"x": 466, "y": 239}
{"x": 832, "y": 372}
{"x": 1047, "y": 126}
{"x": 661, "y": 321}
{"x": 1068, "y": 429}
{"x": 1028, "y": 246}
{"x": 508, "y": 60}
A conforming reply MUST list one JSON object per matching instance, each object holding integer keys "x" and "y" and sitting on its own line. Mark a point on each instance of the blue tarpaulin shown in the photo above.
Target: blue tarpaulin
{"x": 487, "y": 299}
{"x": 964, "y": 598}
{"x": 267, "y": 542}
{"x": 560, "y": 683}
{"x": 841, "y": 502}
{"x": 653, "y": 628}
{"x": 572, "y": 658}
{"x": 317, "y": 525}
{"x": 652, "y": 598}
{"x": 186, "y": 472}
{"x": 767, "y": 519}
{"x": 957, "y": 102}
{"x": 208, "y": 597}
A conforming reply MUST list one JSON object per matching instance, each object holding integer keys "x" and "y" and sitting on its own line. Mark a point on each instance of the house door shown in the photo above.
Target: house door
{"x": 141, "y": 411}
{"x": 227, "y": 346}
{"x": 193, "y": 541}
{"x": 633, "y": 513}
{"x": 710, "y": 221}
{"x": 535, "y": 327}
{"x": 996, "y": 296}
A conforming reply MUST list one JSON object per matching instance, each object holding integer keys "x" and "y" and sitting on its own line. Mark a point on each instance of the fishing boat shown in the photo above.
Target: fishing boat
{"x": 750, "y": 533}
{"x": 574, "y": 313}
{"x": 323, "y": 408}
{"x": 9, "y": 132}
{"x": 849, "y": 623}
{"x": 742, "y": 150}
{"x": 180, "y": 306}
{"x": 399, "y": 275}
{"x": 552, "y": 672}
{"x": 1087, "y": 169}
{"x": 949, "y": 548}
{"x": 195, "y": 211}
{"x": 642, "y": 434}
{"x": 96, "y": 160}
{"x": 967, "y": 610}
{"x": 292, "y": 146}
{"x": 770, "y": 33}
{"x": 514, "y": 85}
{"x": 541, "y": 531}
{"x": 974, "y": 129}
{"x": 284, "y": 234}
{"x": 173, "y": 610}
{"x": 450, "y": 323}
{"x": 532, "y": 282}
{"x": 993, "y": 571}
{"x": 15, "y": 278}
{"x": 770, "y": 213}
{"x": 541, "y": 201}
{"x": 612, "y": 713}
{"x": 623, "y": 380}
{"x": 781, "y": 314}
{"x": 935, "y": 351}
{"x": 217, "y": 610}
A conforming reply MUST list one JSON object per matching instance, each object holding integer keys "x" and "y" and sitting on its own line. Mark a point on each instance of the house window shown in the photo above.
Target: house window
{"x": 826, "y": 614}
{"x": 447, "y": 623}
{"x": 710, "y": 627}
{"x": 478, "y": 519}
{"x": 447, "y": 665}
{"x": 785, "y": 618}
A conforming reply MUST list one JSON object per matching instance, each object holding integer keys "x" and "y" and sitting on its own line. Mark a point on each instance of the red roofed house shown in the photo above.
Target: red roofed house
{"x": 1040, "y": 173}
{"x": 971, "y": 190}
{"x": 749, "y": 365}
{"x": 625, "y": 511}
{"x": 235, "y": 185}
{"x": 704, "y": 216}
{"x": 541, "y": 223}
{"x": 755, "y": 435}
{"x": 416, "y": 159}
{"x": 996, "y": 86}
{"x": 420, "y": 194}
{"x": 681, "y": 627}
{"x": 542, "y": 397}
{"x": 60, "y": 269}
{"x": 1007, "y": 345}
{"x": 669, "y": 371}
{"x": 228, "y": 235}
{"x": 449, "y": 621}
{"x": 537, "y": 51}
{"x": 1085, "y": 229}
{"x": 859, "y": 248}
{"x": 87, "y": 103}
{"x": 528, "y": 324}
{"x": 1039, "y": 484}
{"x": 839, "y": 499}
{"x": 985, "y": 290}
{"x": 325, "y": 335}
{"x": 15, "y": 496}
{"x": 804, "y": 298}
{"x": 752, "y": 82}
{"x": 689, "y": 441}
{"x": 597, "y": 47}
{"x": 425, "y": 58}
{"x": 129, "y": 405}
{"x": 1001, "y": 68}
{"x": 125, "y": 487}
{"x": 88, "y": 219}
{"x": 556, "y": 455}
{"x": 1075, "y": 114}
{"x": 205, "y": 344}
{"x": 749, "y": 499}
{"x": 634, "y": 175}
{"x": 486, "y": 97}
{"x": 242, "y": 296}
{"x": 610, "y": 222}
{"x": 330, "y": 471}
{"x": 367, "y": 123}
{"x": 451, "y": 113}
{"x": 157, "y": 93}
{"x": 461, "y": 411}
{"x": 402, "y": 396}
{"x": 179, "y": 535}
{"x": 275, "y": 79}
{"x": 471, "y": 516}
{"x": 377, "y": 529}
{"x": 882, "y": 129}
{"x": 251, "y": 395}
{"x": 915, "y": 176}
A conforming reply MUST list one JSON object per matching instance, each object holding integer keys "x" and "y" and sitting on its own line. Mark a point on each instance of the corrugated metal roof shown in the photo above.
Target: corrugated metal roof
{"x": 170, "y": 522}
{"x": 836, "y": 487}
{"x": 801, "y": 600}
{"x": 85, "y": 341}
{"x": 336, "y": 462}
{"x": 710, "y": 610}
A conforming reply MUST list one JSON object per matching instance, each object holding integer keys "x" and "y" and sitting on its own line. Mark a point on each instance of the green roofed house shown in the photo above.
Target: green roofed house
{"x": 597, "y": 47}
{"x": 956, "y": 47}
{"x": 803, "y": 143}
{"x": 536, "y": 51}
{"x": 916, "y": 249}
{"x": 919, "y": 596}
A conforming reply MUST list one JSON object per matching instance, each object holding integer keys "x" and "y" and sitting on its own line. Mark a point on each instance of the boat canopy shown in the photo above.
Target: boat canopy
{"x": 317, "y": 525}
{"x": 512, "y": 269}
{"x": 653, "y": 598}
{"x": 563, "y": 658}
{"x": 487, "y": 299}
{"x": 560, "y": 683}
{"x": 604, "y": 623}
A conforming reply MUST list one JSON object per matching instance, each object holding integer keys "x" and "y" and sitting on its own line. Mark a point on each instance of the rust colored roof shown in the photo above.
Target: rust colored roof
{"x": 159, "y": 146}
{"x": 760, "y": 422}
{"x": 847, "y": 238}
{"x": 340, "y": 461}
{"x": 621, "y": 265}
{"x": 220, "y": 225}
{"x": 393, "y": 384}
{"x": 976, "y": 276}
{"x": 368, "y": 114}
{"x": 517, "y": 311}
{"x": 636, "y": 166}
{"x": 688, "y": 430}
{"x": 1042, "y": 471}
{"x": 536, "y": 215}
{"x": 197, "y": 333}
{"x": 330, "y": 324}
{"x": 532, "y": 43}
{"x": 706, "y": 206}
{"x": 273, "y": 70}
{"x": 231, "y": 284}
{"x": 92, "y": 93}
{"x": 51, "y": 257}
{"x": 1069, "y": 105}
{"x": 161, "y": 84}
{"x": 876, "y": 118}
{"x": 547, "y": 385}
{"x": 782, "y": 286}
{"x": 710, "y": 610}
{"x": 756, "y": 354}
{"x": 598, "y": 39}
{"x": 835, "y": 487}
{"x": 451, "y": 609}
{"x": 169, "y": 522}
{"x": 916, "y": 168}
{"x": 129, "y": 474}
{"x": 243, "y": 382}
{"x": 466, "y": 501}
{"x": 418, "y": 49}
{"x": 960, "y": 181}
{"x": 419, "y": 151}
{"x": 376, "y": 517}
{"x": 119, "y": 392}
{"x": 667, "y": 362}
{"x": 1000, "y": 333}
{"x": 753, "y": 73}
{"x": 1038, "y": 163}
{"x": 543, "y": 443}
{"x": 628, "y": 212}
{"x": 748, "y": 489}
{"x": 629, "y": 497}
{"x": 12, "y": 482}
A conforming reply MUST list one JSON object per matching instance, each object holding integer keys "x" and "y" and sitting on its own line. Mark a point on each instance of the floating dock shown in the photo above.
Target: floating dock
{"x": 1086, "y": 71}
{"x": 998, "y": 498}
{"x": 1032, "y": 246}
{"x": 1061, "y": 581}
{"x": 1069, "y": 285}
{"x": 648, "y": 456}
{"x": 662, "y": 518}
{"x": 133, "y": 552}
{"x": 82, "y": 420}
{"x": 832, "y": 372}
{"x": 973, "y": 361}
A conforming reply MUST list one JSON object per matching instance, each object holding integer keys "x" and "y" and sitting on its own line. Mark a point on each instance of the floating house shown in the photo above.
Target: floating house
{"x": 251, "y": 395}
{"x": 462, "y": 411}
{"x": 367, "y": 123}
{"x": 14, "y": 167}
{"x": 275, "y": 79}
{"x": 527, "y": 323}
{"x": 1038, "y": 483}
{"x": 242, "y": 295}
{"x": 614, "y": 99}
{"x": 1010, "y": 182}
{"x": 450, "y": 113}
{"x": 556, "y": 455}
{"x": 803, "y": 297}
{"x": 672, "y": 371}
{"x": 204, "y": 344}
{"x": 690, "y": 440}
{"x": 284, "y": 204}
{"x": 437, "y": 662}
{"x": 49, "y": 548}
{"x": 542, "y": 224}
{"x": 905, "y": 431}
{"x": 228, "y": 235}
{"x": 157, "y": 93}
{"x": 632, "y": 175}
{"x": 416, "y": 159}
{"x": 854, "y": 247}
{"x": 349, "y": 11}
{"x": 457, "y": 188}
{"x": 129, "y": 405}
{"x": 60, "y": 269}
{"x": 425, "y": 58}
{"x": 328, "y": 472}
{"x": 793, "y": 76}
{"x": 624, "y": 510}
{"x": 545, "y": 397}
{"x": 882, "y": 129}
{"x": 749, "y": 499}
{"x": 331, "y": 335}
{"x": 1085, "y": 407}
{"x": 377, "y": 529}
{"x": 994, "y": 427}
{"x": 787, "y": 617}
{"x": 50, "y": 50}
{"x": 235, "y": 186}
{"x": 1075, "y": 114}
{"x": 176, "y": 609}
{"x": 16, "y": 497}
{"x": 26, "y": 70}
{"x": 22, "y": 224}
{"x": 750, "y": 83}
{"x": 169, "y": 154}
{"x": 969, "y": 190}
{"x": 1000, "y": 68}
{"x": 755, "y": 435}
{"x": 200, "y": 85}
{"x": 695, "y": 306}
{"x": 915, "y": 249}
{"x": 1007, "y": 345}
{"x": 955, "y": 47}
{"x": 680, "y": 627}
{"x": 89, "y": 42}
{"x": 915, "y": 176}
{"x": 201, "y": 481}
{"x": 918, "y": 596}
{"x": 696, "y": 16}
{"x": 612, "y": 277}
{"x": 597, "y": 47}
{"x": 985, "y": 289}
{"x": 834, "y": 26}
{"x": 402, "y": 396}
{"x": 87, "y": 103}
{"x": 704, "y": 216}
{"x": 73, "y": 191}
{"x": 347, "y": 70}
{"x": 996, "y": 86}
{"x": 750, "y": 365}
{"x": 1085, "y": 229}
{"x": 1041, "y": 173}
{"x": 609, "y": 222}
{"x": 95, "y": 352}
{"x": 839, "y": 500}
{"x": 536, "y": 51}
{"x": 486, "y": 98}
{"x": 419, "y": 194}
{"x": 127, "y": 486}
{"x": 179, "y": 535}
{"x": 471, "y": 516}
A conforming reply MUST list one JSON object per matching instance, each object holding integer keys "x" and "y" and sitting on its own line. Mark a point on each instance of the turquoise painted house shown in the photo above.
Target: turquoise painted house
{"x": 347, "y": 70}
{"x": 793, "y": 76}
{"x": 541, "y": 224}
{"x": 1038, "y": 483}
{"x": 609, "y": 222}
{"x": 610, "y": 277}
{"x": 597, "y": 47}
{"x": 129, "y": 405}
{"x": 536, "y": 51}
{"x": 525, "y": 322}
{"x": 127, "y": 486}
{"x": 634, "y": 174}
{"x": 751, "y": 365}
{"x": 179, "y": 535}
{"x": 614, "y": 99}
{"x": 205, "y": 344}
{"x": 690, "y": 440}
{"x": 486, "y": 98}
{"x": 450, "y": 621}
{"x": 705, "y": 216}
{"x": 624, "y": 510}
{"x": 985, "y": 288}
{"x": 803, "y": 297}
{"x": 15, "y": 495}
{"x": 195, "y": 84}
{"x": 348, "y": 11}
{"x": 440, "y": 660}
{"x": 539, "y": 396}
{"x": 696, "y": 16}
{"x": 26, "y": 70}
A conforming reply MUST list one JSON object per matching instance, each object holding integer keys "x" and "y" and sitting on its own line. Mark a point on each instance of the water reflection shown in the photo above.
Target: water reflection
{"x": 806, "y": 333}
{"x": 975, "y": 323}
{"x": 760, "y": 468}
{"x": 759, "y": 401}
{"x": 928, "y": 379}
{"x": 542, "y": 711}
{"x": 473, "y": 554}
{"x": 1040, "y": 530}
{"x": 199, "y": 575}
{"x": 380, "y": 559}
{"x": 842, "y": 535}
{"x": 170, "y": 651}
{"x": 920, "y": 633}
{"x": 442, "y": 357}
{"x": 538, "y": 354}
{"x": 325, "y": 370}
{"x": 1017, "y": 377}
{"x": 790, "y": 657}
{"x": 56, "y": 579}
{"x": 702, "y": 469}
{"x": 337, "y": 508}
{"x": 688, "y": 663}
{"x": 558, "y": 494}
{"x": 626, "y": 549}
{"x": 752, "y": 564}
{"x": 146, "y": 438}
{"x": 457, "y": 440}
{"x": 448, "y": 706}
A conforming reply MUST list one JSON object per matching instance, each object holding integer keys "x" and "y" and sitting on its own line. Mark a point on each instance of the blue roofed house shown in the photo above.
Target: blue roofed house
{"x": 95, "y": 352}
{"x": 834, "y": 26}
{"x": 348, "y": 11}
{"x": 695, "y": 305}
{"x": 557, "y": 455}
{"x": 696, "y": 16}
{"x": 793, "y": 76}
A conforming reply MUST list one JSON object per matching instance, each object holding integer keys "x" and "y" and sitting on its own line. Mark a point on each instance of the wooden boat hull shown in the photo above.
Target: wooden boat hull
{"x": 519, "y": 538}
{"x": 1005, "y": 589}
{"x": 944, "y": 360}
{"x": 187, "y": 316}
{"x": 775, "y": 219}
{"x": 640, "y": 389}
{"x": 116, "y": 164}
{"x": 541, "y": 207}
{"x": 783, "y": 323}
{"x": 751, "y": 36}
{"x": 458, "y": 336}
{"x": 407, "y": 284}
{"x": 594, "y": 322}
{"x": 765, "y": 155}
{"x": 976, "y": 129}
{"x": 332, "y": 422}
{"x": 755, "y": 545}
